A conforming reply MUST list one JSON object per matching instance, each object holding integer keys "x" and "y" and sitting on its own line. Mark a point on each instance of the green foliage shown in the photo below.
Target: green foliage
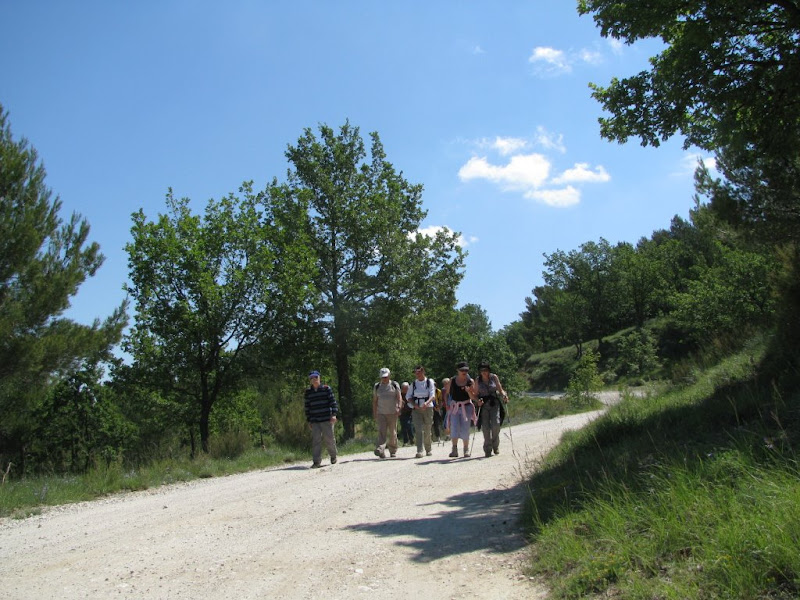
{"x": 78, "y": 427}
{"x": 237, "y": 413}
{"x": 637, "y": 354}
{"x": 784, "y": 356}
{"x": 289, "y": 427}
{"x": 691, "y": 493}
{"x": 229, "y": 444}
{"x": 207, "y": 288}
{"x": 727, "y": 80}
{"x": 43, "y": 262}
{"x": 585, "y": 380}
{"x": 727, "y": 74}
{"x": 550, "y": 371}
{"x": 733, "y": 293}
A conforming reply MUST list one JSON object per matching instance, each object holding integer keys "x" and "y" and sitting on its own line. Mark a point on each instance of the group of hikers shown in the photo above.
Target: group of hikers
{"x": 460, "y": 403}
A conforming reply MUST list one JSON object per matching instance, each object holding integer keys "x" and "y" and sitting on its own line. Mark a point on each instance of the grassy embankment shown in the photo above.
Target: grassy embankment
{"x": 691, "y": 493}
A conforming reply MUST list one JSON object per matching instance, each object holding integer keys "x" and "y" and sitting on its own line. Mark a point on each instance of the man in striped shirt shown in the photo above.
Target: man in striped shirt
{"x": 321, "y": 411}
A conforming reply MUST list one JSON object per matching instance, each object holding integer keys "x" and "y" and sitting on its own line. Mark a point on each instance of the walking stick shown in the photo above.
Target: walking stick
{"x": 510, "y": 436}
{"x": 477, "y": 426}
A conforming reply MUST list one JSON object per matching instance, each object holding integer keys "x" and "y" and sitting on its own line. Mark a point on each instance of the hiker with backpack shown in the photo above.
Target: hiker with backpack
{"x": 421, "y": 397}
{"x": 386, "y": 405}
{"x": 491, "y": 410}
{"x": 460, "y": 392}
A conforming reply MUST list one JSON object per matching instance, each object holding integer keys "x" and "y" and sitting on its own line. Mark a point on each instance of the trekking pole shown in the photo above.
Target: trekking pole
{"x": 510, "y": 436}
{"x": 472, "y": 443}
{"x": 477, "y": 426}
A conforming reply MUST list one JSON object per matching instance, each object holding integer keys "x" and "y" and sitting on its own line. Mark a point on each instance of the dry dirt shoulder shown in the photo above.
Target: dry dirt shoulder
{"x": 404, "y": 527}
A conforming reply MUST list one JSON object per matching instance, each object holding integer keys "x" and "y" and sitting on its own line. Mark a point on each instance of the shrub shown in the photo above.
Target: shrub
{"x": 585, "y": 380}
{"x": 229, "y": 444}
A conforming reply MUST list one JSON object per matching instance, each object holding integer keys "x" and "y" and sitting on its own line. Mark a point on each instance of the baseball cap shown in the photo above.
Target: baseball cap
{"x": 385, "y": 372}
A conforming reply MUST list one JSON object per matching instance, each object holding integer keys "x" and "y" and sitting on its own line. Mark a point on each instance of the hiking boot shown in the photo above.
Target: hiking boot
{"x": 419, "y": 455}
{"x": 488, "y": 453}
{"x": 315, "y": 465}
{"x": 466, "y": 453}
{"x": 453, "y": 454}
{"x": 377, "y": 453}
{"x": 333, "y": 460}
{"x": 380, "y": 453}
{"x": 429, "y": 453}
{"x": 497, "y": 450}
{"x": 392, "y": 455}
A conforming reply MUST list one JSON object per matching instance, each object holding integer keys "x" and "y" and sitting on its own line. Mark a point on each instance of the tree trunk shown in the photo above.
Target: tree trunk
{"x": 347, "y": 409}
{"x": 193, "y": 451}
{"x": 205, "y": 414}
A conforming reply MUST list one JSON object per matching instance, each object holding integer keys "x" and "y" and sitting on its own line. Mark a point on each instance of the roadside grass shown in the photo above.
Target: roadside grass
{"x": 691, "y": 493}
{"x": 27, "y": 496}
{"x": 525, "y": 408}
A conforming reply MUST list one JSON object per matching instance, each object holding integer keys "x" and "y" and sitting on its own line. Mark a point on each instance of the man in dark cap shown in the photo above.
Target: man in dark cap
{"x": 321, "y": 411}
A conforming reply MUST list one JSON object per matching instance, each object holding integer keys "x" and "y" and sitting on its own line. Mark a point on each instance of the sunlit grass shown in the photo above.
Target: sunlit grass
{"x": 694, "y": 493}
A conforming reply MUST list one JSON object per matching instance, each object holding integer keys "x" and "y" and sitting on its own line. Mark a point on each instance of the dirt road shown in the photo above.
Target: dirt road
{"x": 397, "y": 528}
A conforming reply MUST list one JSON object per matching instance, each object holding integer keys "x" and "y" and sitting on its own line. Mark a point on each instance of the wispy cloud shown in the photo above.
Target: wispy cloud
{"x": 550, "y": 141}
{"x": 617, "y": 46}
{"x": 530, "y": 173}
{"x": 504, "y": 145}
{"x": 551, "y": 62}
{"x": 689, "y": 163}
{"x": 583, "y": 173}
{"x": 559, "y": 198}
{"x": 590, "y": 57}
{"x": 478, "y": 50}
{"x": 432, "y": 230}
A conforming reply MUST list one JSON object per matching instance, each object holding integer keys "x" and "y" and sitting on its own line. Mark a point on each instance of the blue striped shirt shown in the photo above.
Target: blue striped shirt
{"x": 320, "y": 405}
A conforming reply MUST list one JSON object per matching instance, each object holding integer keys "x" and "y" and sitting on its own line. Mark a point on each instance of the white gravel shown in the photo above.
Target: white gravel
{"x": 398, "y": 528}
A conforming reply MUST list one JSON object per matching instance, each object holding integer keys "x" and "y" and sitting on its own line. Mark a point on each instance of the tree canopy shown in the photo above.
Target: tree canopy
{"x": 207, "y": 288}
{"x": 728, "y": 81}
{"x": 372, "y": 264}
{"x": 43, "y": 262}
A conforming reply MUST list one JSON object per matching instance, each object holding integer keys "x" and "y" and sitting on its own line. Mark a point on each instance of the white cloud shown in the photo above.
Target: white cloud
{"x": 689, "y": 162}
{"x": 550, "y": 61}
{"x": 590, "y": 57}
{"x": 549, "y": 140}
{"x": 559, "y": 198}
{"x": 432, "y": 230}
{"x": 582, "y": 173}
{"x": 508, "y": 145}
{"x": 523, "y": 171}
{"x": 530, "y": 173}
{"x": 478, "y": 50}
{"x": 503, "y": 145}
{"x": 616, "y": 45}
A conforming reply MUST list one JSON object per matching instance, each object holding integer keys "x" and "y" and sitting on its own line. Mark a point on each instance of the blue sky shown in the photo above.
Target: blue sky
{"x": 486, "y": 104}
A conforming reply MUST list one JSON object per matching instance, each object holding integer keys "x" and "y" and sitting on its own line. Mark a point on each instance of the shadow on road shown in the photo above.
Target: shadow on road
{"x": 486, "y": 521}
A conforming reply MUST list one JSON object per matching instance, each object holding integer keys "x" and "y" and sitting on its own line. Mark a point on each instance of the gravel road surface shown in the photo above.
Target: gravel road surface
{"x": 364, "y": 528}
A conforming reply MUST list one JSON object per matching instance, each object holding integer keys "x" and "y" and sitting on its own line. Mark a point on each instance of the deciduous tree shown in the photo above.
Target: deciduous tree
{"x": 208, "y": 287}
{"x": 373, "y": 264}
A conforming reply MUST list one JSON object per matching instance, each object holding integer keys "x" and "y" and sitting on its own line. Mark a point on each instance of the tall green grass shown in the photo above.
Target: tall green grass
{"x": 694, "y": 493}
